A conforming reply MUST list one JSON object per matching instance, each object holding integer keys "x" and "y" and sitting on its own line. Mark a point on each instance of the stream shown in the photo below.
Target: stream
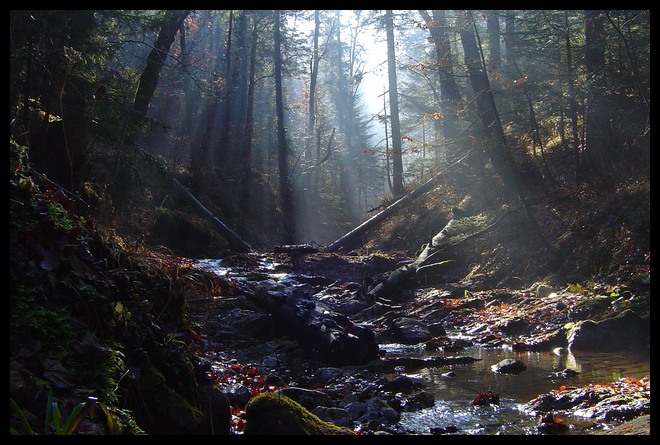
{"x": 454, "y": 393}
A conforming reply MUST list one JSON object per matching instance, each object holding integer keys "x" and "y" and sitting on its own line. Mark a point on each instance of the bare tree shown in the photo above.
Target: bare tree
{"x": 498, "y": 150}
{"x": 156, "y": 60}
{"x": 450, "y": 96}
{"x": 397, "y": 162}
{"x": 286, "y": 195}
{"x": 598, "y": 151}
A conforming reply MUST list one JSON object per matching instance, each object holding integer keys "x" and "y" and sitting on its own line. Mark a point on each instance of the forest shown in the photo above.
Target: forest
{"x": 402, "y": 151}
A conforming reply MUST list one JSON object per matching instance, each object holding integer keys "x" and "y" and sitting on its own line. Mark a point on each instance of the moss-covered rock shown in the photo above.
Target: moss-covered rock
{"x": 271, "y": 413}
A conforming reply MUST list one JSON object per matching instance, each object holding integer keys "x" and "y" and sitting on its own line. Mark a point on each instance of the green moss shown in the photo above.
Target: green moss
{"x": 270, "y": 413}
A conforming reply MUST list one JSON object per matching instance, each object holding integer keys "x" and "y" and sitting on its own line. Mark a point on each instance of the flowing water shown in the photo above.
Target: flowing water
{"x": 454, "y": 394}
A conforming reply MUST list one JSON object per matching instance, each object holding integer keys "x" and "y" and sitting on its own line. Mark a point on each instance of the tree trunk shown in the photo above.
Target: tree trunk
{"x": 246, "y": 180}
{"x": 397, "y": 162}
{"x": 498, "y": 150}
{"x": 309, "y": 198}
{"x": 235, "y": 241}
{"x": 351, "y": 238}
{"x": 598, "y": 153}
{"x": 156, "y": 60}
{"x": 286, "y": 196}
{"x": 572, "y": 114}
{"x": 450, "y": 97}
{"x": 494, "y": 36}
{"x": 226, "y": 136}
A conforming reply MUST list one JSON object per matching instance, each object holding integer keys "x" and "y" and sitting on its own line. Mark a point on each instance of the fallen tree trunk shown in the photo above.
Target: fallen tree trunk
{"x": 450, "y": 236}
{"x": 354, "y": 234}
{"x": 236, "y": 243}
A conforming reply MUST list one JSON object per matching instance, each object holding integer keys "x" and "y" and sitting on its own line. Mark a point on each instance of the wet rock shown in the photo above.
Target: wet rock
{"x": 309, "y": 398}
{"x": 274, "y": 379}
{"x": 354, "y": 408}
{"x": 490, "y": 341}
{"x": 410, "y": 331}
{"x": 551, "y": 424}
{"x": 474, "y": 303}
{"x": 237, "y": 393}
{"x": 515, "y": 326}
{"x": 546, "y": 342}
{"x": 509, "y": 366}
{"x": 543, "y": 291}
{"x": 565, "y": 374}
{"x": 400, "y": 383}
{"x": 437, "y": 431}
{"x": 338, "y": 416}
{"x": 437, "y": 329}
{"x": 421, "y": 400}
{"x": 620, "y": 400}
{"x": 379, "y": 409}
{"x": 486, "y": 398}
{"x": 627, "y": 329}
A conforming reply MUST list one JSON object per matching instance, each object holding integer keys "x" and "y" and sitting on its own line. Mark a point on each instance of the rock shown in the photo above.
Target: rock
{"x": 237, "y": 393}
{"x": 624, "y": 330}
{"x": 543, "y": 291}
{"x": 515, "y": 326}
{"x": 340, "y": 341}
{"x": 509, "y": 366}
{"x": 551, "y": 424}
{"x": 423, "y": 399}
{"x": 338, "y": 416}
{"x": 410, "y": 331}
{"x": 437, "y": 329}
{"x": 276, "y": 414}
{"x": 400, "y": 383}
{"x": 309, "y": 398}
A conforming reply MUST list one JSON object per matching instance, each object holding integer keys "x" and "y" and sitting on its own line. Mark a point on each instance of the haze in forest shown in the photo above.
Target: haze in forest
{"x": 296, "y": 126}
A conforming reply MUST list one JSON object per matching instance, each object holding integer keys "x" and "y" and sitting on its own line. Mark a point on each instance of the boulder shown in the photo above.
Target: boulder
{"x": 509, "y": 366}
{"x": 622, "y": 331}
{"x": 276, "y": 414}
{"x": 410, "y": 331}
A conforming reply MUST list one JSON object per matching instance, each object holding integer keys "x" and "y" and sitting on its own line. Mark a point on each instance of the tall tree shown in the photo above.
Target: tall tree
{"x": 494, "y": 37}
{"x": 246, "y": 180}
{"x": 397, "y": 161}
{"x": 199, "y": 155}
{"x": 309, "y": 199}
{"x": 598, "y": 152}
{"x": 498, "y": 150}
{"x": 286, "y": 195}
{"x": 572, "y": 95}
{"x": 228, "y": 97}
{"x": 450, "y": 96}
{"x": 156, "y": 59}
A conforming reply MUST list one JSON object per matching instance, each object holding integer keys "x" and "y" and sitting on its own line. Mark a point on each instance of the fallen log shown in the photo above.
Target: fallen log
{"x": 455, "y": 232}
{"x": 353, "y": 235}
{"x": 235, "y": 242}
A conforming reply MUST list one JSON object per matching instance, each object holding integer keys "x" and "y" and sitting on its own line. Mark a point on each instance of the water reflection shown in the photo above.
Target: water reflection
{"x": 454, "y": 395}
